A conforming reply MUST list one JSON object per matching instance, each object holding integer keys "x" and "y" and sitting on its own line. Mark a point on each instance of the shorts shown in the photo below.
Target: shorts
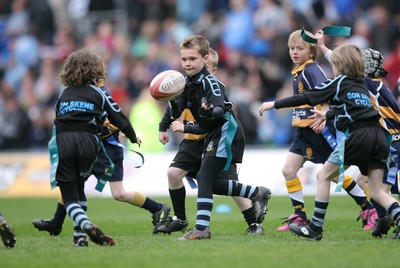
{"x": 216, "y": 146}
{"x": 189, "y": 158}
{"x": 116, "y": 154}
{"x": 77, "y": 153}
{"x": 366, "y": 148}
{"x": 313, "y": 147}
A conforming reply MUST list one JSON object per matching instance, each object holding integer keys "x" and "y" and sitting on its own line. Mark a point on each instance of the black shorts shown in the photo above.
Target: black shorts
{"x": 189, "y": 157}
{"x": 366, "y": 148}
{"x": 77, "y": 152}
{"x": 116, "y": 154}
{"x": 216, "y": 146}
{"x": 313, "y": 147}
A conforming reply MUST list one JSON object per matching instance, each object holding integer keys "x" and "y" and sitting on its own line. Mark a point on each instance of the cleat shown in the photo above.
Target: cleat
{"x": 294, "y": 218}
{"x": 304, "y": 230}
{"x": 80, "y": 241}
{"x": 195, "y": 234}
{"x": 160, "y": 217}
{"x": 382, "y": 226}
{"x": 396, "y": 233}
{"x": 173, "y": 225}
{"x": 260, "y": 203}
{"x": 369, "y": 218}
{"x": 255, "y": 229}
{"x": 7, "y": 235}
{"x": 48, "y": 226}
{"x": 97, "y": 236}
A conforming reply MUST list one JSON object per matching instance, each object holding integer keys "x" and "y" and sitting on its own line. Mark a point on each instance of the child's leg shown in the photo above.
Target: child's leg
{"x": 380, "y": 196}
{"x": 293, "y": 184}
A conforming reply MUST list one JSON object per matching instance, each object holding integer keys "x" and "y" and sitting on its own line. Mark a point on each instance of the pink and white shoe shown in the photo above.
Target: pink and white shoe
{"x": 294, "y": 218}
{"x": 369, "y": 218}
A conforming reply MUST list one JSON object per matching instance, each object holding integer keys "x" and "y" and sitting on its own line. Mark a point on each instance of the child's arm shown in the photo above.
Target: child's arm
{"x": 321, "y": 45}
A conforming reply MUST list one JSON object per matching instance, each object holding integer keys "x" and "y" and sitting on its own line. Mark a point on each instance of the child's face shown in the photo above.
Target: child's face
{"x": 192, "y": 61}
{"x": 299, "y": 52}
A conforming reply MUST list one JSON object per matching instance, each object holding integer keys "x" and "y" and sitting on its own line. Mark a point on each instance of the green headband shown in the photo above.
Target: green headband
{"x": 328, "y": 30}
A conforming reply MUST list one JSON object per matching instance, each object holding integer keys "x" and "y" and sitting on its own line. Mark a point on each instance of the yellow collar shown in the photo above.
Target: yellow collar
{"x": 298, "y": 69}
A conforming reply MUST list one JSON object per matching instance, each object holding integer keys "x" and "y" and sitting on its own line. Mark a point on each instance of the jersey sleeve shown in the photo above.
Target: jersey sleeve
{"x": 314, "y": 75}
{"x": 117, "y": 117}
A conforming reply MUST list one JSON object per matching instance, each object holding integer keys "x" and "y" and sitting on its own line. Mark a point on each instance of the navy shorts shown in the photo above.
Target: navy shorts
{"x": 116, "y": 154}
{"x": 313, "y": 147}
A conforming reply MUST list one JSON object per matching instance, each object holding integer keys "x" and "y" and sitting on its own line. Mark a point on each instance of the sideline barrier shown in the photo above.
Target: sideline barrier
{"x": 26, "y": 174}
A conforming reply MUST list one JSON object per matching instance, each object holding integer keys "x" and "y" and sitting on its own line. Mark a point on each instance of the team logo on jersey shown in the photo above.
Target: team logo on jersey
{"x": 309, "y": 153}
{"x": 210, "y": 146}
{"x": 300, "y": 87}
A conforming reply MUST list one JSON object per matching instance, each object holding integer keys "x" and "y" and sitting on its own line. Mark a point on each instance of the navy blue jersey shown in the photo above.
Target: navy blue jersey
{"x": 306, "y": 77}
{"x": 385, "y": 102}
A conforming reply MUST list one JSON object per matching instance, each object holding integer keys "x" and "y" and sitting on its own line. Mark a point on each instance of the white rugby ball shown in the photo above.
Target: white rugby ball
{"x": 167, "y": 85}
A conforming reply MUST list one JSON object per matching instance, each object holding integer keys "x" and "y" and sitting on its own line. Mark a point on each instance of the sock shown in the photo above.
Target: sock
{"x": 204, "y": 208}
{"x": 178, "y": 197}
{"x": 78, "y": 215}
{"x": 394, "y": 210}
{"x": 379, "y": 209}
{"x": 295, "y": 191}
{"x": 352, "y": 188}
{"x": 78, "y": 231}
{"x": 138, "y": 199}
{"x": 249, "y": 215}
{"x": 318, "y": 218}
{"x": 151, "y": 205}
{"x": 59, "y": 215}
{"x": 234, "y": 188}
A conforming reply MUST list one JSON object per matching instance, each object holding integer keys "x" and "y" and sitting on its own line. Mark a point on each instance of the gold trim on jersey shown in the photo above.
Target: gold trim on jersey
{"x": 300, "y": 68}
{"x": 188, "y": 119}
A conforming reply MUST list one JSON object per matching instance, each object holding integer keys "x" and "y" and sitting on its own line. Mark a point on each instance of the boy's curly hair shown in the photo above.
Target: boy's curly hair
{"x": 82, "y": 67}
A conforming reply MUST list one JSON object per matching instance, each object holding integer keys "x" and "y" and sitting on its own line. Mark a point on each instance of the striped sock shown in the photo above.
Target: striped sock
{"x": 204, "y": 208}
{"x": 318, "y": 218}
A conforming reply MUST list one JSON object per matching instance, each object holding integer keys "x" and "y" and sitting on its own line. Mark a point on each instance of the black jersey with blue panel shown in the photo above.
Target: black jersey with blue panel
{"x": 349, "y": 99}
{"x": 203, "y": 85}
{"x": 86, "y": 108}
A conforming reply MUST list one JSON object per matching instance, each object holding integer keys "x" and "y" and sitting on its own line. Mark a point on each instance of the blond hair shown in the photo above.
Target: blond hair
{"x": 296, "y": 37}
{"x": 212, "y": 63}
{"x": 193, "y": 41}
{"x": 348, "y": 60}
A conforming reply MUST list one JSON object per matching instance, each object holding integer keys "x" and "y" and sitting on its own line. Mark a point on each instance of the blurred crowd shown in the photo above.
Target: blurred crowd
{"x": 140, "y": 38}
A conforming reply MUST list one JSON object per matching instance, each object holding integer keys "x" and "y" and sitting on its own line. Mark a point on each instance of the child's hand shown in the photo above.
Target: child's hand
{"x": 316, "y": 125}
{"x": 319, "y": 119}
{"x": 266, "y": 106}
{"x": 163, "y": 137}
{"x": 206, "y": 109}
{"x": 177, "y": 126}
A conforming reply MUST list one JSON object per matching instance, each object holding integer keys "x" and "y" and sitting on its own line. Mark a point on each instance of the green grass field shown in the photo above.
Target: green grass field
{"x": 344, "y": 243}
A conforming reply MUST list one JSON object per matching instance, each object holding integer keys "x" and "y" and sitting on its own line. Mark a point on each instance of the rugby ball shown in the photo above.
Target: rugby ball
{"x": 167, "y": 85}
